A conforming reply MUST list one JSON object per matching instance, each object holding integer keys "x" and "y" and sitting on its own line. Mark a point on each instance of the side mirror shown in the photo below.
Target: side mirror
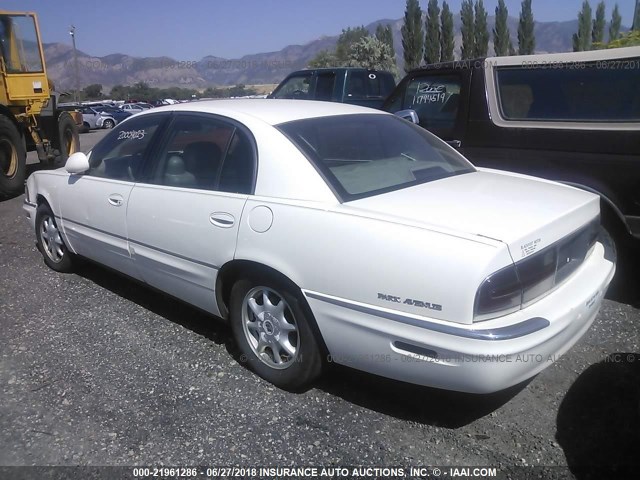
{"x": 77, "y": 163}
{"x": 409, "y": 115}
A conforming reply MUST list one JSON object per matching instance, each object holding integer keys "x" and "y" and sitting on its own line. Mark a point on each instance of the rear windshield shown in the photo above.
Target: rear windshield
{"x": 367, "y": 154}
{"x": 601, "y": 91}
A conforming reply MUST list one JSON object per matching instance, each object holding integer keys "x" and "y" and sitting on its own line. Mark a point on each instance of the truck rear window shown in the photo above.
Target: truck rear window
{"x": 595, "y": 92}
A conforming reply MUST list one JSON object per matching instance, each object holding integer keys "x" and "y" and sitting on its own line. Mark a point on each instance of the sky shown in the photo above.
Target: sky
{"x": 191, "y": 29}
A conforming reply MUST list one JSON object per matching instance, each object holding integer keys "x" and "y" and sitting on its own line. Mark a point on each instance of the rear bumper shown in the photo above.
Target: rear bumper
{"x": 481, "y": 358}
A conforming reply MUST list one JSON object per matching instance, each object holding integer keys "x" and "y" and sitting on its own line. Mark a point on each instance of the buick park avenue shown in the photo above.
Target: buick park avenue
{"x": 322, "y": 230}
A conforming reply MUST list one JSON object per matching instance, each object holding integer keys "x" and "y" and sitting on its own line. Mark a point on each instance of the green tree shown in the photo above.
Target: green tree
{"x": 119, "y": 92}
{"x": 93, "y": 91}
{"x": 340, "y": 56}
{"x": 374, "y": 54}
{"x": 432, "y": 35}
{"x": 597, "y": 31}
{"x": 241, "y": 90}
{"x": 385, "y": 35}
{"x": 412, "y": 36}
{"x": 480, "y": 31}
{"x": 446, "y": 33}
{"x": 526, "y": 37}
{"x": 468, "y": 36}
{"x": 614, "y": 26}
{"x": 142, "y": 91}
{"x": 324, "y": 59}
{"x": 349, "y": 37}
{"x": 501, "y": 36}
{"x": 214, "y": 92}
{"x": 629, "y": 39}
{"x": 636, "y": 17}
{"x": 582, "y": 38}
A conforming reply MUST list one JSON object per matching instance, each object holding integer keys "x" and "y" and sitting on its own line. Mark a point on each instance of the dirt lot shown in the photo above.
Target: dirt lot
{"x": 98, "y": 370}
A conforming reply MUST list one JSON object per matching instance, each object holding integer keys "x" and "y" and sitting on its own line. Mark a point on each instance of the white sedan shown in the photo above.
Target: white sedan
{"x": 329, "y": 232}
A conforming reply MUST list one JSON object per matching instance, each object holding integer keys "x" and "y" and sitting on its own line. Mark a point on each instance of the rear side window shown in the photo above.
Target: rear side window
{"x": 595, "y": 92}
{"x": 369, "y": 84}
{"x": 436, "y": 100}
{"x": 325, "y": 83}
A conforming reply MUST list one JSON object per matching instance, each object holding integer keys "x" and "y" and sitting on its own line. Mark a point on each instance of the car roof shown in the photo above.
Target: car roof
{"x": 531, "y": 61}
{"x": 270, "y": 111}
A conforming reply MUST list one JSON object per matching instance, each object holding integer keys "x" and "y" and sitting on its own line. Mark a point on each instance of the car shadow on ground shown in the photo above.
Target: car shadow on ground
{"x": 157, "y": 302}
{"x": 402, "y": 400}
{"x": 430, "y": 406}
{"x": 598, "y": 423}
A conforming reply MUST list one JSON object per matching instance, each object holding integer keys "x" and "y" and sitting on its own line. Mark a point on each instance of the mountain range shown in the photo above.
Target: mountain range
{"x": 260, "y": 68}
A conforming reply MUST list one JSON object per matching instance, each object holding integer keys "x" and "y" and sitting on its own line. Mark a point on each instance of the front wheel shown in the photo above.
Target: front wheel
{"x": 271, "y": 325}
{"x": 13, "y": 159}
{"x": 109, "y": 124}
{"x": 50, "y": 243}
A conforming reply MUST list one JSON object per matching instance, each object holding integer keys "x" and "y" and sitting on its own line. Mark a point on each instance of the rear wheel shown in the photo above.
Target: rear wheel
{"x": 69, "y": 139}
{"x": 50, "y": 243}
{"x": 270, "y": 323}
{"x": 108, "y": 123}
{"x": 13, "y": 158}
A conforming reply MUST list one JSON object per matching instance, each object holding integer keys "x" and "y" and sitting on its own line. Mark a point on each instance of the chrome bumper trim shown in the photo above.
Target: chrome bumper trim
{"x": 510, "y": 332}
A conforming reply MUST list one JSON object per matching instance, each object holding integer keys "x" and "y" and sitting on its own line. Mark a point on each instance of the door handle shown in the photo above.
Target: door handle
{"x": 222, "y": 219}
{"x": 116, "y": 200}
{"x": 454, "y": 143}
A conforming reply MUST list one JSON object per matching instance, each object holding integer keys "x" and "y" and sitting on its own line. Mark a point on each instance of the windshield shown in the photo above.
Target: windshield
{"x": 364, "y": 155}
{"x": 19, "y": 44}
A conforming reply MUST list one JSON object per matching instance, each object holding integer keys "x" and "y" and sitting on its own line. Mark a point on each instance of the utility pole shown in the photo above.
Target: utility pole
{"x": 72, "y": 32}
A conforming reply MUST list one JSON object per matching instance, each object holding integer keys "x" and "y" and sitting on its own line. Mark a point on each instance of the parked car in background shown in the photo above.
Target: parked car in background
{"x": 357, "y": 86}
{"x": 356, "y": 235}
{"x": 571, "y": 117}
{"x": 96, "y": 119}
{"x": 117, "y": 113}
{"x": 132, "y": 108}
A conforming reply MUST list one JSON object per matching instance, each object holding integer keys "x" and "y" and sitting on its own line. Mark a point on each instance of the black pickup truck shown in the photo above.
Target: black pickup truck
{"x": 357, "y": 86}
{"x": 573, "y": 118}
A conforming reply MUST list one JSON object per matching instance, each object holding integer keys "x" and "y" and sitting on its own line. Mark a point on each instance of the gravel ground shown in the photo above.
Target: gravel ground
{"x": 98, "y": 370}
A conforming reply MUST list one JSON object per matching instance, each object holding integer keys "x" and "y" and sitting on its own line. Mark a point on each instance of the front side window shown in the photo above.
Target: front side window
{"x": 19, "y": 44}
{"x": 436, "y": 99}
{"x": 296, "y": 87}
{"x": 598, "y": 92}
{"x": 120, "y": 154}
{"x": 364, "y": 155}
{"x": 206, "y": 154}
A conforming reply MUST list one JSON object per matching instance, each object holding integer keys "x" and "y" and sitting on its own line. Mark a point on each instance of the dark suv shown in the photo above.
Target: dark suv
{"x": 573, "y": 118}
{"x": 357, "y": 86}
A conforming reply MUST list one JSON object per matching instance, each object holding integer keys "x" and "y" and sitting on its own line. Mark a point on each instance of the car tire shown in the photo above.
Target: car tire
{"x": 13, "y": 159}
{"x": 108, "y": 123}
{"x": 55, "y": 253}
{"x": 68, "y": 138}
{"x": 271, "y": 326}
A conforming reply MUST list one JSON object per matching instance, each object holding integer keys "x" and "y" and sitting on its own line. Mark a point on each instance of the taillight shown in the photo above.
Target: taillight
{"x": 519, "y": 284}
{"x": 499, "y": 294}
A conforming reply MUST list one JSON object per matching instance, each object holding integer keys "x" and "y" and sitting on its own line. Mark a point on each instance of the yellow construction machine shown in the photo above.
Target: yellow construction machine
{"x": 29, "y": 117}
